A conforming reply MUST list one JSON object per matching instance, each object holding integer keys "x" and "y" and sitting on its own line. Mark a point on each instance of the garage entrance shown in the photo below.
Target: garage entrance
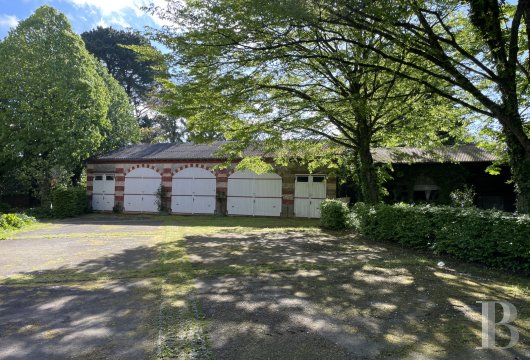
{"x": 193, "y": 192}
{"x": 309, "y": 191}
{"x": 103, "y": 192}
{"x": 141, "y": 187}
{"x": 251, "y": 194}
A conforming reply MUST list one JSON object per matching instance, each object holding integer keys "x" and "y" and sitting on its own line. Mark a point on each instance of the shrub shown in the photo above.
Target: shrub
{"x": 40, "y": 212}
{"x": 335, "y": 215}
{"x": 492, "y": 238}
{"x": 117, "y": 208}
{"x": 464, "y": 197}
{"x": 401, "y": 223}
{"x": 68, "y": 202}
{"x": 14, "y": 221}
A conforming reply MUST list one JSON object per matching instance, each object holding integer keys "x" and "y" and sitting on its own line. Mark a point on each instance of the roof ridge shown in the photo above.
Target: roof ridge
{"x": 209, "y": 151}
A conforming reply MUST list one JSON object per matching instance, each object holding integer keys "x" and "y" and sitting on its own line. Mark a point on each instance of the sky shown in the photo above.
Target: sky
{"x": 83, "y": 14}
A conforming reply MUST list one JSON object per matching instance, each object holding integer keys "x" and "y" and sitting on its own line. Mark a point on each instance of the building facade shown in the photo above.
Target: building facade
{"x": 187, "y": 179}
{"x": 430, "y": 175}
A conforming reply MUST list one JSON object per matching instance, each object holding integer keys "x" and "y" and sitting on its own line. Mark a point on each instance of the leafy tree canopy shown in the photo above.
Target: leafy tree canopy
{"x": 124, "y": 128}
{"x": 134, "y": 73}
{"x": 269, "y": 72}
{"x": 57, "y": 105}
{"x": 473, "y": 53}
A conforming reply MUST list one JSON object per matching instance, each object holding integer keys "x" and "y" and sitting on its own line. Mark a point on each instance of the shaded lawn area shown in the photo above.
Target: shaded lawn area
{"x": 241, "y": 288}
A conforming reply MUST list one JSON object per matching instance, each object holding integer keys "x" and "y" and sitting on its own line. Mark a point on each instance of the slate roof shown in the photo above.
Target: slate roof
{"x": 169, "y": 151}
{"x": 398, "y": 155}
{"x": 447, "y": 154}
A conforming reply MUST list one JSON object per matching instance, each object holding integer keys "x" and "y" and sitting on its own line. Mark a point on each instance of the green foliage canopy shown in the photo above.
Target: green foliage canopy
{"x": 473, "y": 53}
{"x": 124, "y": 128}
{"x": 135, "y": 75}
{"x": 58, "y": 106}
{"x": 270, "y": 72}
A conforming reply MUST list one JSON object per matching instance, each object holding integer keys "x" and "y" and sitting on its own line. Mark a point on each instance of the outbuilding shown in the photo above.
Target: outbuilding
{"x": 185, "y": 178}
{"x": 431, "y": 175}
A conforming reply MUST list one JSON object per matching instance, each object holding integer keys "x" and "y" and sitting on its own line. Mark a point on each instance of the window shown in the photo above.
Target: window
{"x": 98, "y": 178}
{"x": 302, "y": 179}
{"x": 318, "y": 179}
{"x": 110, "y": 178}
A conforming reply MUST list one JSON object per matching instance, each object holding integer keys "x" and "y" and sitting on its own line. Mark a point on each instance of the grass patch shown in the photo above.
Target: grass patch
{"x": 7, "y": 234}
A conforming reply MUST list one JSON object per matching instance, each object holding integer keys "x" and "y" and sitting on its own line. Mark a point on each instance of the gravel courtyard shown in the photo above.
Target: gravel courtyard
{"x": 144, "y": 287}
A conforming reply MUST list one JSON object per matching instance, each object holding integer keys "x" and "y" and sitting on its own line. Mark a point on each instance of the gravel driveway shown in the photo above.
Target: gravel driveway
{"x": 82, "y": 244}
{"x": 143, "y": 287}
{"x": 323, "y": 296}
{"x": 97, "y": 319}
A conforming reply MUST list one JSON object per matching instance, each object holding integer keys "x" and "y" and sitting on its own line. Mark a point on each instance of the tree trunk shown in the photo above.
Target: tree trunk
{"x": 77, "y": 174}
{"x": 517, "y": 144}
{"x": 520, "y": 168}
{"x": 367, "y": 173}
{"x": 44, "y": 193}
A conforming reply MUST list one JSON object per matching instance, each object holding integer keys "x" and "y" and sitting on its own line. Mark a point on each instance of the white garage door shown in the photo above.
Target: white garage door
{"x": 103, "y": 192}
{"x": 193, "y": 192}
{"x": 252, "y": 194}
{"x": 309, "y": 191}
{"x": 141, "y": 186}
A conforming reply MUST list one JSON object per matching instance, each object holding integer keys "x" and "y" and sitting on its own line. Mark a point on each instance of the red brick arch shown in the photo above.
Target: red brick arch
{"x": 185, "y": 166}
{"x": 137, "y": 166}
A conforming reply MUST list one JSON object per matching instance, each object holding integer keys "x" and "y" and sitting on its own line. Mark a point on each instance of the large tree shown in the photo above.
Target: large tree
{"x": 267, "y": 73}
{"x": 134, "y": 73}
{"x": 56, "y": 107}
{"x": 473, "y": 53}
{"x": 123, "y": 128}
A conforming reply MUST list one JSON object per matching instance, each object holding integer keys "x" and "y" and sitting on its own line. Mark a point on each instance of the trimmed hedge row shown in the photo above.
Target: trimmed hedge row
{"x": 493, "y": 238}
{"x": 67, "y": 202}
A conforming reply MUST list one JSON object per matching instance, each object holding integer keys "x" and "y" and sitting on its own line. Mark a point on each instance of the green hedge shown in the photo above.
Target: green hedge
{"x": 492, "y": 238}
{"x": 40, "y": 212}
{"x": 14, "y": 221}
{"x": 68, "y": 202}
{"x": 335, "y": 215}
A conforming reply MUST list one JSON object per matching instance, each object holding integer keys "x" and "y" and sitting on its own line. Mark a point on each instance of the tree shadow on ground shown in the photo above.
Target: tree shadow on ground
{"x": 314, "y": 296}
{"x": 102, "y": 308}
{"x": 262, "y": 295}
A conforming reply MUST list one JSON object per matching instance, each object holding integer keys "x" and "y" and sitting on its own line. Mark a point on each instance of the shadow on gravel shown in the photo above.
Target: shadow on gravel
{"x": 348, "y": 299}
{"x": 102, "y": 308}
{"x": 290, "y": 247}
{"x": 281, "y": 295}
{"x": 106, "y": 320}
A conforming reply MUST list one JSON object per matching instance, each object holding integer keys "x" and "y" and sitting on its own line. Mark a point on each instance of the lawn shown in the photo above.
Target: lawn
{"x": 242, "y": 287}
